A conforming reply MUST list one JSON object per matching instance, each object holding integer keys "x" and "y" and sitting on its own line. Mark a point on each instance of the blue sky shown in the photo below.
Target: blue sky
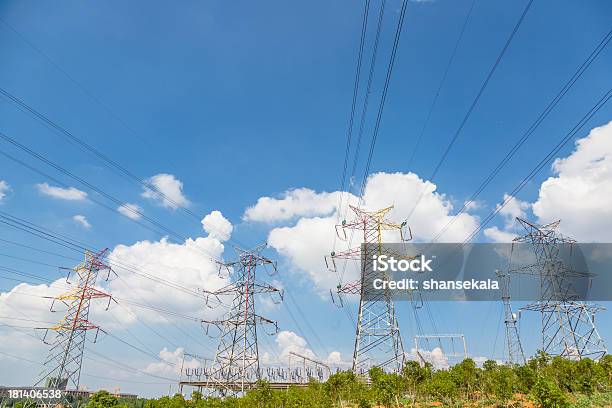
{"x": 253, "y": 100}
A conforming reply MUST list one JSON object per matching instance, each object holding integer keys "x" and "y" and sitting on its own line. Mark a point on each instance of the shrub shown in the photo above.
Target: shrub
{"x": 548, "y": 395}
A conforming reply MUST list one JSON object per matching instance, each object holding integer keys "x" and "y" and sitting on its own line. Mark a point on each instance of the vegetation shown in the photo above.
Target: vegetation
{"x": 543, "y": 382}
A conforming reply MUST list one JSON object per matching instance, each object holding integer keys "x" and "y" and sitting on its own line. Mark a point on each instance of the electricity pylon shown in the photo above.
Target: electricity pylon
{"x": 513, "y": 340}
{"x": 377, "y": 337}
{"x": 568, "y": 325}
{"x": 62, "y": 368}
{"x": 236, "y": 363}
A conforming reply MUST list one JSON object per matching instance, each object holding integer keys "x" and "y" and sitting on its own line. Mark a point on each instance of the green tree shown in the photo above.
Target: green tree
{"x": 343, "y": 386}
{"x": 465, "y": 375}
{"x": 548, "y": 395}
{"x": 501, "y": 382}
{"x": 102, "y": 399}
{"x": 606, "y": 364}
{"x": 441, "y": 386}
{"x": 196, "y": 396}
{"x": 387, "y": 387}
{"x": 415, "y": 376}
{"x": 589, "y": 376}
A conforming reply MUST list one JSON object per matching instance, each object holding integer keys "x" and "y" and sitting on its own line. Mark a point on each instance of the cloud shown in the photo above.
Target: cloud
{"x": 473, "y": 205}
{"x": 131, "y": 211}
{"x": 70, "y": 193}
{"x": 311, "y": 237}
{"x": 82, "y": 221}
{"x": 31, "y": 301}
{"x": 514, "y": 208}
{"x": 189, "y": 267}
{"x": 4, "y": 189}
{"x": 436, "y": 357}
{"x": 168, "y": 191}
{"x": 497, "y": 235}
{"x": 29, "y": 305}
{"x": 287, "y": 342}
{"x": 157, "y": 275}
{"x": 334, "y": 359}
{"x": 580, "y": 192}
{"x": 304, "y": 245}
{"x": 171, "y": 363}
{"x": 217, "y": 226}
{"x": 299, "y": 202}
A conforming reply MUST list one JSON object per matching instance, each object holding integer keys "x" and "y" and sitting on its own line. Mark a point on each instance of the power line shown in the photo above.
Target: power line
{"x": 583, "y": 121}
{"x": 98, "y": 190}
{"x": 105, "y": 159}
{"x": 364, "y": 26}
{"x": 398, "y": 32}
{"x": 532, "y": 128}
{"x": 144, "y": 304}
{"x": 366, "y": 101}
{"x": 145, "y": 275}
{"x": 80, "y": 247}
{"x": 79, "y": 85}
{"x": 474, "y": 103}
{"x": 441, "y": 84}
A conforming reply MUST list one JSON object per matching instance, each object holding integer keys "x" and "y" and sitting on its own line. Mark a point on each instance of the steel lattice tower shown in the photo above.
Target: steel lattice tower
{"x": 377, "y": 337}
{"x": 62, "y": 368}
{"x": 236, "y": 362}
{"x": 568, "y": 325}
{"x": 513, "y": 340}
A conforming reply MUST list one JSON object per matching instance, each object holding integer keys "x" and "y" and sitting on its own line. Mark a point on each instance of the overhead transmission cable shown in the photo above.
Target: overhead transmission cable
{"x": 475, "y": 101}
{"x": 105, "y": 159}
{"x": 441, "y": 84}
{"x": 364, "y": 26}
{"x": 581, "y": 123}
{"x": 78, "y": 84}
{"x": 531, "y": 130}
{"x": 383, "y": 99}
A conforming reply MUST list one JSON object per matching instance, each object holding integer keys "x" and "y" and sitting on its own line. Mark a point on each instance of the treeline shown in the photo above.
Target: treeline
{"x": 542, "y": 382}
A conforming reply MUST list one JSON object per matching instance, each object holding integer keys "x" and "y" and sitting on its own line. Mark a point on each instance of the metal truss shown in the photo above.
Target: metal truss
{"x": 513, "y": 340}
{"x": 62, "y": 368}
{"x": 377, "y": 339}
{"x": 424, "y": 359}
{"x": 568, "y": 325}
{"x": 236, "y": 363}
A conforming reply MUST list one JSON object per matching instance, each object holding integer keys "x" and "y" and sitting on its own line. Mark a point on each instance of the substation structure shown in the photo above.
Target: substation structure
{"x": 300, "y": 371}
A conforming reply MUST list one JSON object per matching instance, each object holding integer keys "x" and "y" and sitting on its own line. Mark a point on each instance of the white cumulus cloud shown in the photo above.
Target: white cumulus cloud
{"x": 311, "y": 237}
{"x": 82, "y": 221}
{"x": 514, "y": 208}
{"x": 288, "y": 342}
{"x": 217, "y": 226}
{"x": 580, "y": 192}
{"x": 171, "y": 362}
{"x": 147, "y": 268}
{"x": 4, "y": 189}
{"x": 168, "y": 191}
{"x": 497, "y": 235}
{"x": 299, "y": 202}
{"x": 132, "y": 211}
{"x": 70, "y": 193}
